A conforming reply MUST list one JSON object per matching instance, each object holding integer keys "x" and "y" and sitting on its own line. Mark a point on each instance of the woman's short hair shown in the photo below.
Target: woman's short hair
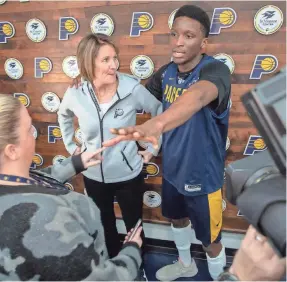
{"x": 9, "y": 120}
{"x": 88, "y": 50}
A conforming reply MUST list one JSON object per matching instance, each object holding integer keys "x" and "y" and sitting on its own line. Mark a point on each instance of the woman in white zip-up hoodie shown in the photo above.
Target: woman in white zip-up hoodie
{"x": 108, "y": 99}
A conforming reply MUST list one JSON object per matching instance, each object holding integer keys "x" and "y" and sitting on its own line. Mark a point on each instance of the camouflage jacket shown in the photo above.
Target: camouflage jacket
{"x": 51, "y": 234}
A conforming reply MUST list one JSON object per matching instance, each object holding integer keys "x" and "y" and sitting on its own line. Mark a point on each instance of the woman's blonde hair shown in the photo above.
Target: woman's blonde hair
{"x": 88, "y": 50}
{"x": 9, "y": 120}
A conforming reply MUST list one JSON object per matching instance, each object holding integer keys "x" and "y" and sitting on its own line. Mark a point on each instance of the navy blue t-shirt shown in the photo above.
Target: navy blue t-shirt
{"x": 194, "y": 153}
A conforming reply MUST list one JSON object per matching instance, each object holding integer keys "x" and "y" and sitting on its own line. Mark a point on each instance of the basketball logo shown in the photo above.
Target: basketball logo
{"x": 36, "y": 30}
{"x": 150, "y": 170}
{"x": 54, "y": 133}
{"x": 263, "y": 64}
{"x": 102, "y": 23}
{"x": 259, "y": 144}
{"x": 7, "y": 30}
{"x": 141, "y": 21}
{"x": 13, "y": 68}
{"x": 255, "y": 144}
{"x": 171, "y": 18}
{"x": 42, "y": 66}
{"x": 23, "y": 98}
{"x": 268, "y": 64}
{"x": 268, "y": 20}
{"x": 67, "y": 27}
{"x": 222, "y": 18}
{"x": 144, "y": 21}
{"x": 70, "y": 26}
{"x": 37, "y": 161}
{"x": 226, "y": 17}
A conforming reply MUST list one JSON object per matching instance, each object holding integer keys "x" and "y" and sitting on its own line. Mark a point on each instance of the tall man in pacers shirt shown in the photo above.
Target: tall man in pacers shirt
{"x": 195, "y": 90}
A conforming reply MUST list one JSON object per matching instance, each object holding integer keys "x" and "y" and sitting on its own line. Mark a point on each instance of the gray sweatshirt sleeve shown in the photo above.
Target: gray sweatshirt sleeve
{"x": 123, "y": 267}
{"x": 149, "y": 104}
{"x": 59, "y": 237}
{"x": 65, "y": 120}
{"x": 65, "y": 170}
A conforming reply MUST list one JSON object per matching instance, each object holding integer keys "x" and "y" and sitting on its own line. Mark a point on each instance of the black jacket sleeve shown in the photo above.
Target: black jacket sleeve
{"x": 219, "y": 74}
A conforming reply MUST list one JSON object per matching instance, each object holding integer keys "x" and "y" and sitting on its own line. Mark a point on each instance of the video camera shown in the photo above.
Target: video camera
{"x": 257, "y": 184}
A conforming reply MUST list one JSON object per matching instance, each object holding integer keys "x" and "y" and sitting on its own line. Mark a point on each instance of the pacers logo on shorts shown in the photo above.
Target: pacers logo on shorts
{"x": 42, "y": 66}
{"x": 67, "y": 26}
{"x": 263, "y": 64}
{"x": 54, "y": 133}
{"x": 254, "y": 144}
{"x": 7, "y": 30}
{"x": 141, "y": 21}
{"x": 150, "y": 170}
{"x": 36, "y": 161}
{"x": 222, "y": 18}
{"x": 23, "y": 98}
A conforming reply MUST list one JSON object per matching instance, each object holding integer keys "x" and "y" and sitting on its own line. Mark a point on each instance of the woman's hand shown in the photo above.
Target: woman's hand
{"x": 77, "y": 151}
{"x": 147, "y": 156}
{"x": 137, "y": 237}
{"x": 92, "y": 158}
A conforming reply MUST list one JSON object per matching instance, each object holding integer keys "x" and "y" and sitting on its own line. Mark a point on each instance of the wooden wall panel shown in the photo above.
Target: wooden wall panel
{"x": 241, "y": 41}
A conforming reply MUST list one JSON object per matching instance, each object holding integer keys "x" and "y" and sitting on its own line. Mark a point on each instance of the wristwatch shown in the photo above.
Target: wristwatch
{"x": 227, "y": 276}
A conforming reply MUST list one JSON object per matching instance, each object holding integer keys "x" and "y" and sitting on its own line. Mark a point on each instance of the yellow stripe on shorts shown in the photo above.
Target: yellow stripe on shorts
{"x": 215, "y": 213}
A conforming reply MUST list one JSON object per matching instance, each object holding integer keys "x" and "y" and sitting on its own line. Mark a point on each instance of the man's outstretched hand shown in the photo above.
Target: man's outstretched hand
{"x": 149, "y": 131}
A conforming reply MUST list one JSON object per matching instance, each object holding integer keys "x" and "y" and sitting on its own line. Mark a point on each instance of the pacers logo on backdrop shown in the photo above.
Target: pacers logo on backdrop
{"x": 42, "y": 66}
{"x": 7, "y": 30}
{"x": 141, "y": 21}
{"x": 37, "y": 161}
{"x": 23, "y": 98}
{"x": 254, "y": 144}
{"x": 263, "y": 64}
{"x": 67, "y": 27}
{"x": 150, "y": 170}
{"x": 54, "y": 133}
{"x": 222, "y": 18}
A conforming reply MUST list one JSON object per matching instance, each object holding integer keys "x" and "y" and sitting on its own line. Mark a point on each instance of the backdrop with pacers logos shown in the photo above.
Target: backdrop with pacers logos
{"x": 38, "y": 43}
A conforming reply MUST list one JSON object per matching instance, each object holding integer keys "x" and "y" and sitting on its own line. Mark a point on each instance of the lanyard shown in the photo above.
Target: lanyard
{"x": 36, "y": 180}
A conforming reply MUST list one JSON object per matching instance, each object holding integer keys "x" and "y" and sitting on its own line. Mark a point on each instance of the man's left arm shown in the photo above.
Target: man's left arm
{"x": 212, "y": 89}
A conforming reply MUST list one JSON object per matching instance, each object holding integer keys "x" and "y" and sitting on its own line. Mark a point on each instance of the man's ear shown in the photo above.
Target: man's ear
{"x": 204, "y": 43}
